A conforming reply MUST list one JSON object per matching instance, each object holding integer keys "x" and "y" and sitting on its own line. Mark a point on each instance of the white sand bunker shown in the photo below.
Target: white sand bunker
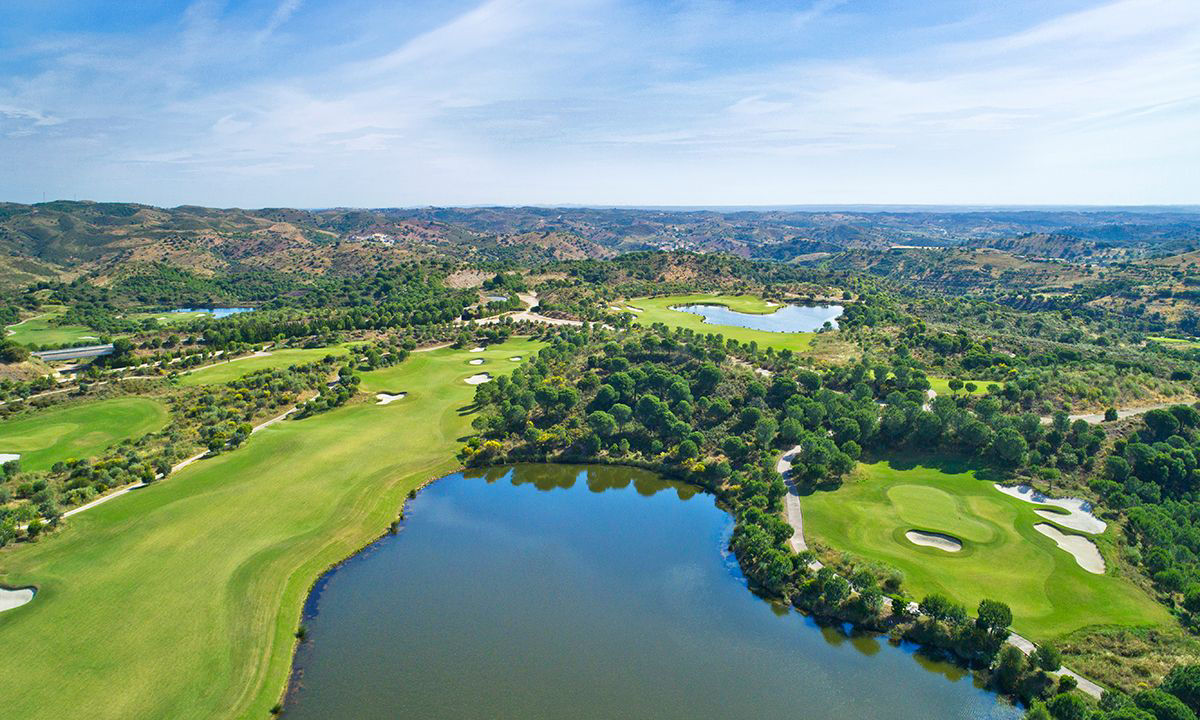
{"x": 383, "y": 398}
{"x": 515, "y": 358}
{"x": 476, "y": 361}
{"x": 1079, "y": 512}
{"x": 479, "y": 379}
{"x": 10, "y": 599}
{"x": 1083, "y": 550}
{"x": 478, "y": 349}
{"x": 6, "y": 457}
{"x": 934, "y": 540}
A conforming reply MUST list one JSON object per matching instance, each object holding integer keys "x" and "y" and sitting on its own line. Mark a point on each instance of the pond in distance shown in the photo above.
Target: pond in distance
{"x": 787, "y": 319}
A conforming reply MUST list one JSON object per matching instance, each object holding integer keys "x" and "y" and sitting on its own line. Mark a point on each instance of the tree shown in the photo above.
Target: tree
{"x": 1009, "y": 447}
{"x": 602, "y": 423}
{"x": 1046, "y": 657}
{"x": 1184, "y": 683}
{"x": 1110, "y": 414}
{"x": 993, "y": 616}
{"x": 1162, "y": 423}
{"x": 1163, "y": 705}
{"x": 1068, "y": 707}
{"x": 1009, "y": 668}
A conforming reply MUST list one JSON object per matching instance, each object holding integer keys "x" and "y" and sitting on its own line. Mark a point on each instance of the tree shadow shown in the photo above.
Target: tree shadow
{"x": 949, "y": 463}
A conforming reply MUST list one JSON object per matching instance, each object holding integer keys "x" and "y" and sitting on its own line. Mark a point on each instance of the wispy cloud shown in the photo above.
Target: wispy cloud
{"x": 612, "y": 101}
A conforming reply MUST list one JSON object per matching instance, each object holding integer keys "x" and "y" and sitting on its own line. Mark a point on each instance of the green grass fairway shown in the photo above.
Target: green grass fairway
{"x": 1002, "y": 558}
{"x": 180, "y": 600}
{"x": 38, "y": 330}
{"x": 223, "y": 372}
{"x": 941, "y": 386}
{"x": 659, "y": 310}
{"x": 171, "y": 318}
{"x": 79, "y": 431}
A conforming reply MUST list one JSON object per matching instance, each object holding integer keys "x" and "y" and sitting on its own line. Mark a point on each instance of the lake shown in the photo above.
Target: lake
{"x": 552, "y": 591}
{"x": 787, "y": 319}
{"x": 217, "y": 312}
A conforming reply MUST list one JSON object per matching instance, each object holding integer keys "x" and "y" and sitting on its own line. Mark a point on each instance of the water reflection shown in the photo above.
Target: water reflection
{"x": 549, "y": 591}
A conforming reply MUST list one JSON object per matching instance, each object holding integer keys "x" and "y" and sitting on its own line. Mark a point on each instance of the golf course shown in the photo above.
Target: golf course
{"x": 648, "y": 311}
{"x": 79, "y": 431}
{"x": 223, "y": 372}
{"x": 38, "y": 330}
{"x": 181, "y": 600}
{"x": 1002, "y": 555}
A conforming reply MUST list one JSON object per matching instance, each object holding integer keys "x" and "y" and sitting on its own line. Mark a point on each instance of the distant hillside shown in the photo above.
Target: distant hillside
{"x": 62, "y": 240}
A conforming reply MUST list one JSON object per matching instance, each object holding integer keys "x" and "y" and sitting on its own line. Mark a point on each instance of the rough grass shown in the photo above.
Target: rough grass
{"x": 659, "y": 310}
{"x": 79, "y": 431}
{"x": 1003, "y": 557}
{"x": 181, "y": 600}
{"x": 223, "y": 372}
{"x": 1129, "y": 658}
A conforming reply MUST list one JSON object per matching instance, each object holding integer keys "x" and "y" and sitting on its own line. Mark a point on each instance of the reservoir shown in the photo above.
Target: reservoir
{"x": 787, "y": 319}
{"x": 552, "y": 591}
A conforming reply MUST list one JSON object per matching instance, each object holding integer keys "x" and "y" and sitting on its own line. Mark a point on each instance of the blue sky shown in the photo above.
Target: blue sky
{"x": 314, "y": 104}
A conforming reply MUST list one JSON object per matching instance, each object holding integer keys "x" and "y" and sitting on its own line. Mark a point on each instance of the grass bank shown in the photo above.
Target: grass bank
{"x": 181, "y": 600}
{"x": 223, "y": 372}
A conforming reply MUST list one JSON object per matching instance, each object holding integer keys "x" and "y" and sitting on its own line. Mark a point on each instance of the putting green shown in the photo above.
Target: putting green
{"x": 223, "y": 372}
{"x": 180, "y": 600}
{"x": 38, "y": 330}
{"x": 1003, "y": 557}
{"x": 79, "y": 431}
{"x": 658, "y": 310}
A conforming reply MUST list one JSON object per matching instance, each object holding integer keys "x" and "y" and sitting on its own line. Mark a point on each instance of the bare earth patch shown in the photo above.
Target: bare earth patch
{"x": 1083, "y": 550}
{"x": 934, "y": 540}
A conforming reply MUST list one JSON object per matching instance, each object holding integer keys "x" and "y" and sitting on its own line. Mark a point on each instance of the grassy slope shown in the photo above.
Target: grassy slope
{"x": 180, "y": 600}
{"x": 79, "y": 431}
{"x": 659, "y": 310}
{"x": 1003, "y": 556}
{"x": 38, "y": 329}
{"x": 223, "y": 372}
{"x": 942, "y": 386}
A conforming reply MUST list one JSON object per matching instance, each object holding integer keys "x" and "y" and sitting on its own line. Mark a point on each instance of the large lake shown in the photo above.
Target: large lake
{"x": 550, "y": 591}
{"x": 787, "y": 319}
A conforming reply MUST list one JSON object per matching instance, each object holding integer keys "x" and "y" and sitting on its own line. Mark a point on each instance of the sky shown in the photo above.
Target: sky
{"x": 304, "y": 103}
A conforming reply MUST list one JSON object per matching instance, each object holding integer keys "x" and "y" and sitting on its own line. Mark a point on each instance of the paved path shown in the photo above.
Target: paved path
{"x": 1098, "y": 417}
{"x": 531, "y": 301}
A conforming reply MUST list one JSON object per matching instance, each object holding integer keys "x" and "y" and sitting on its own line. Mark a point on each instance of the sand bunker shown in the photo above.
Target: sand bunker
{"x": 476, "y": 361}
{"x": 10, "y": 599}
{"x": 479, "y": 379}
{"x": 1079, "y": 512}
{"x": 515, "y": 358}
{"x": 1083, "y": 550}
{"x": 934, "y": 540}
{"x": 383, "y": 398}
{"x": 478, "y": 349}
{"x": 5, "y": 457}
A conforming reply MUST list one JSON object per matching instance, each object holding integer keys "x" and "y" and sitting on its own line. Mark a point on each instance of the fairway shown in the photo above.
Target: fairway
{"x": 79, "y": 431}
{"x": 37, "y": 330}
{"x": 1003, "y": 556}
{"x": 180, "y": 600}
{"x": 223, "y": 372}
{"x": 658, "y": 310}
{"x": 941, "y": 386}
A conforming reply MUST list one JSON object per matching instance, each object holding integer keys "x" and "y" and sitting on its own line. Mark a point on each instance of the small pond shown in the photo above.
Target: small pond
{"x": 551, "y": 591}
{"x": 219, "y": 312}
{"x": 787, "y": 319}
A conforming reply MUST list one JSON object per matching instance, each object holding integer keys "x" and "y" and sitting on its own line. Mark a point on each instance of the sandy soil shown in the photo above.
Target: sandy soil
{"x": 10, "y": 599}
{"x": 478, "y": 379}
{"x": 1083, "y": 550}
{"x": 1079, "y": 515}
{"x": 383, "y": 398}
{"x": 933, "y": 540}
